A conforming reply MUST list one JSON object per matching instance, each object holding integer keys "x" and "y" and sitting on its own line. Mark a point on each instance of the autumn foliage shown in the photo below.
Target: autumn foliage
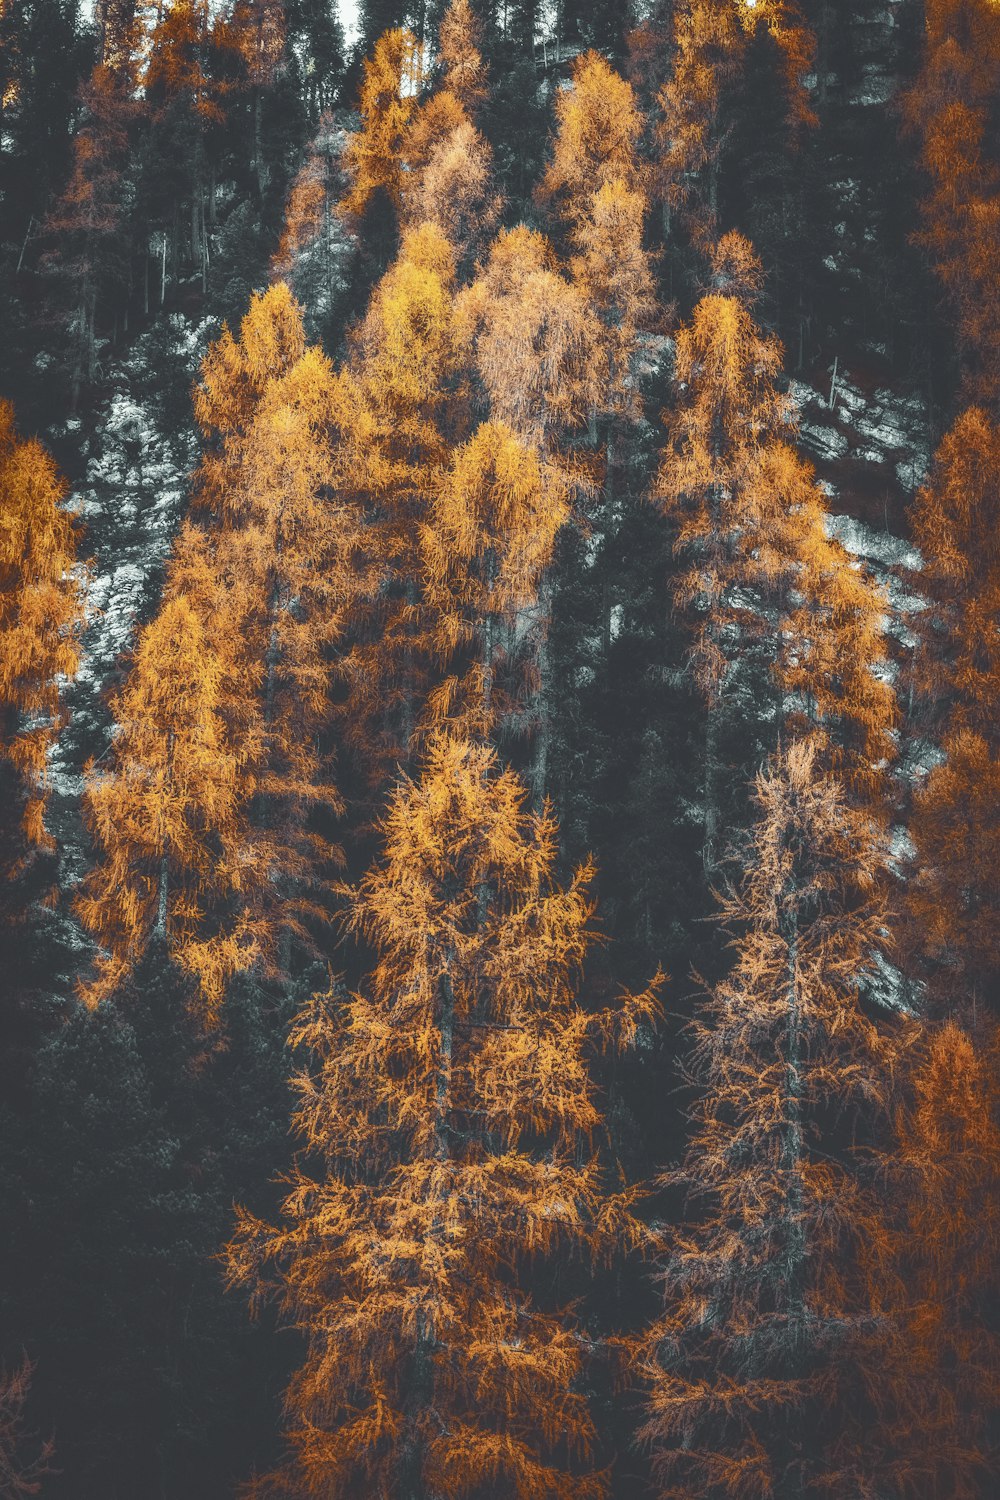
{"x": 751, "y": 1367}
{"x": 453, "y": 1125}
{"x": 40, "y": 613}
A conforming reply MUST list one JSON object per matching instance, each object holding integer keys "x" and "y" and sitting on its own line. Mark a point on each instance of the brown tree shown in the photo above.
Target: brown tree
{"x": 955, "y": 896}
{"x": 949, "y": 109}
{"x": 40, "y": 615}
{"x": 752, "y": 1379}
{"x": 933, "y": 1250}
{"x": 454, "y": 1125}
{"x": 762, "y": 586}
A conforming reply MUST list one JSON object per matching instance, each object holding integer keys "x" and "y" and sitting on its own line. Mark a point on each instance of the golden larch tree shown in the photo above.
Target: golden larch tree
{"x": 948, "y": 111}
{"x": 374, "y": 156}
{"x": 595, "y": 183}
{"x": 530, "y": 335}
{"x": 761, "y": 585}
{"x": 40, "y": 616}
{"x": 955, "y": 896}
{"x": 164, "y": 810}
{"x": 405, "y": 407}
{"x": 488, "y": 539}
{"x": 933, "y": 1252}
{"x": 451, "y": 1129}
{"x": 261, "y": 579}
{"x": 750, "y": 1367}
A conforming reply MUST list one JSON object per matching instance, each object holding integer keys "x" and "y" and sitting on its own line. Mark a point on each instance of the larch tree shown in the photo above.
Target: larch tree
{"x": 595, "y": 184}
{"x": 451, "y": 1130}
{"x": 257, "y": 590}
{"x": 449, "y": 182}
{"x": 595, "y": 187}
{"x": 531, "y": 338}
{"x": 24, "y": 1462}
{"x": 955, "y": 896}
{"x": 164, "y": 812}
{"x": 281, "y": 539}
{"x": 760, "y": 584}
{"x": 460, "y": 52}
{"x": 949, "y": 111}
{"x": 40, "y": 615}
{"x": 374, "y": 156}
{"x": 487, "y": 542}
{"x": 933, "y": 1252}
{"x": 530, "y": 335}
{"x": 710, "y": 43}
{"x": 752, "y": 1367}
{"x": 405, "y": 407}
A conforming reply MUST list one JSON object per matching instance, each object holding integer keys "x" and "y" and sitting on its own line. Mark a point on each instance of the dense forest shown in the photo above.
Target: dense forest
{"x": 499, "y": 749}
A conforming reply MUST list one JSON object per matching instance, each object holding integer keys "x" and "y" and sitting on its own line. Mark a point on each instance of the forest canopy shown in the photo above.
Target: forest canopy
{"x": 499, "y": 750}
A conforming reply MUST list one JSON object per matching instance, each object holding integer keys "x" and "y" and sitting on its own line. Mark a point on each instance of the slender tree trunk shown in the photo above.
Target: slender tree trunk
{"x": 711, "y": 788}
{"x": 543, "y": 733}
{"x": 795, "y": 1234}
{"x": 162, "y": 895}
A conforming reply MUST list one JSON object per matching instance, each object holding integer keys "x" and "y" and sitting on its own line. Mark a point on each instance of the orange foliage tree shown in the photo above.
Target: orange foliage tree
{"x": 374, "y": 157}
{"x": 260, "y": 583}
{"x": 949, "y": 110}
{"x": 488, "y": 539}
{"x": 955, "y": 897}
{"x": 40, "y": 614}
{"x": 710, "y": 43}
{"x": 760, "y": 582}
{"x": 451, "y": 1112}
{"x": 448, "y": 161}
{"x": 165, "y": 813}
{"x": 404, "y": 409}
{"x": 595, "y": 182}
{"x": 751, "y": 1379}
{"x": 934, "y": 1249}
{"x": 531, "y": 338}
{"x": 21, "y": 1473}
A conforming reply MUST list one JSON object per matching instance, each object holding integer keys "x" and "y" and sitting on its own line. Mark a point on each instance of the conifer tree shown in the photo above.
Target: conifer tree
{"x": 761, "y": 584}
{"x": 21, "y": 1473}
{"x": 460, "y": 49}
{"x": 40, "y": 613}
{"x": 933, "y": 1239}
{"x": 404, "y": 408}
{"x": 751, "y": 1373}
{"x": 949, "y": 110}
{"x": 531, "y": 336}
{"x": 488, "y": 540}
{"x": 450, "y": 1113}
{"x": 710, "y": 44}
{"x": 229, "y": 777}
{"x": 165, "y": 815}
{"x": 955, "y": 898}
{"x": 595, "y": 182}
{"x": 388, "y": 95}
